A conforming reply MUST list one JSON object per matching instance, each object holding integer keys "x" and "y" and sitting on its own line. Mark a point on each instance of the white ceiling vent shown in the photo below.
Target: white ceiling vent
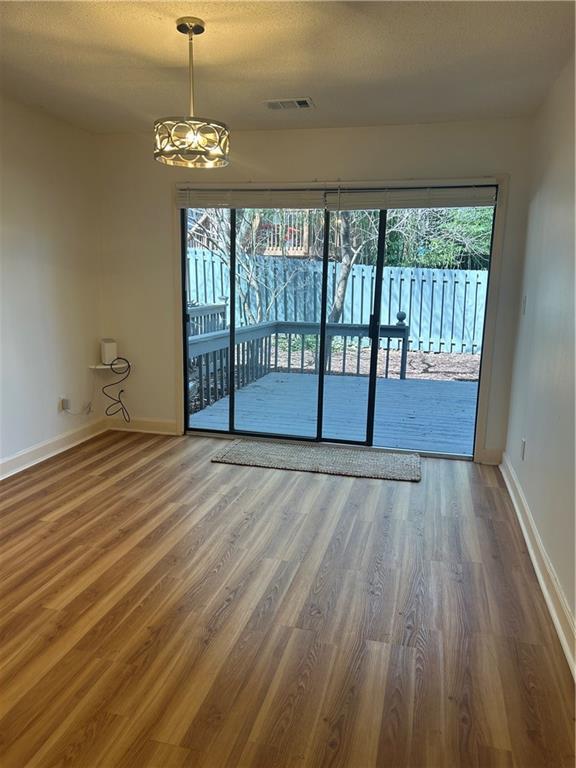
{"x": 302, "y": 103}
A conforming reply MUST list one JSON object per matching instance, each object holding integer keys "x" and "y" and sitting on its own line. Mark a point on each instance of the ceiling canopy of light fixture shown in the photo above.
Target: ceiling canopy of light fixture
{"x": 190, "y": 141}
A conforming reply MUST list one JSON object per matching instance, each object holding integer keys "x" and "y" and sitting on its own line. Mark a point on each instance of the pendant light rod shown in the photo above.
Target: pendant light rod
{"x": 191, "y": 70}
{"x": 190, "y": 25}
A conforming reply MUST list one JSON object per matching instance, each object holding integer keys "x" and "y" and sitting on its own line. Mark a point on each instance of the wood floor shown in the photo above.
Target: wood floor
{"x": 160, "y": 610}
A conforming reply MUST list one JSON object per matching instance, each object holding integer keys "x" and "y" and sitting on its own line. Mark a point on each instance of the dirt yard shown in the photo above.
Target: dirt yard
{"x": 442, "y": 366}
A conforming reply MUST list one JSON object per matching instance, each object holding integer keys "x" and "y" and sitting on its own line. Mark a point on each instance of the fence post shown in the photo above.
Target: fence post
{"x": 401, "y": 316}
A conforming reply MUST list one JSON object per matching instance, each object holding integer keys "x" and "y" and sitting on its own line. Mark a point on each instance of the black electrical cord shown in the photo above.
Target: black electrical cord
{"x": 121, "y": 367}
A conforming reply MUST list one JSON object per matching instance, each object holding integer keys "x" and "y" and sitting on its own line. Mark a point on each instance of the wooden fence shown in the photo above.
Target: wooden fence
{"x": 444, "y": 307}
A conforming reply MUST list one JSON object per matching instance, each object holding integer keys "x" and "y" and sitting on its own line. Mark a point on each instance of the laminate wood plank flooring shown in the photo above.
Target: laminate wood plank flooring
{"x": 160, "y": 610}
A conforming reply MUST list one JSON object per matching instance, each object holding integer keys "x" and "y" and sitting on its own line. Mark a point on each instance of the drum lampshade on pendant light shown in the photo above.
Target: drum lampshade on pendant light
{"x": 189, "y": 141}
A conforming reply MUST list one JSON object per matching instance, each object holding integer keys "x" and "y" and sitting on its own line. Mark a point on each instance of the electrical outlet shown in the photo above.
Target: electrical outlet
{"x": 64, "y": 404}
{"x": 523, "y": 449}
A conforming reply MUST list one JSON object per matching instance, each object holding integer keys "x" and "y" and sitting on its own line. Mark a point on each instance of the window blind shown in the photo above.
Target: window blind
{"x": 338, "y": 199}
{"x": 432, "y": 197}
{"x": 188, "y": 197}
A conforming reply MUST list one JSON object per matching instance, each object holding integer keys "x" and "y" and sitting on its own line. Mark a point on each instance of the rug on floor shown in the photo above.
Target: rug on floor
{"x": 320, "y": 457}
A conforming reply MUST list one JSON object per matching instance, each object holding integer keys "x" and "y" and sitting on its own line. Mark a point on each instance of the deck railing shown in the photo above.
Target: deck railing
{"x": 283, "y": 346}
{"x": 205, "y": 318}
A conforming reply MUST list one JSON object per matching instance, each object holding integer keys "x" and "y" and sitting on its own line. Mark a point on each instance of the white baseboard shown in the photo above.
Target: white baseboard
{"x": 42, "y": 451}
{"x": 154, "y": 426}
{"x": 553, "y": 593}
{"x": 45, "y": 450}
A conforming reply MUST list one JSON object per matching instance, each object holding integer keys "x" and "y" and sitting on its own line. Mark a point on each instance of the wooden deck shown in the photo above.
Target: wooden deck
{"x": 414, "y": 414}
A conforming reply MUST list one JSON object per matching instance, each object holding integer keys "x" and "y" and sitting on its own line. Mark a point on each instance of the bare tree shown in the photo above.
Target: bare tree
{"x": 257, "y": 296}
{"x": 429, "y": 237}
{"x": 354, "y": 235}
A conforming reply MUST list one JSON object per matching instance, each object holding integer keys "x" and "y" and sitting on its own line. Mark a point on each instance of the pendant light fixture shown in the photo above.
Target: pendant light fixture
{"x": 189, "y": 141}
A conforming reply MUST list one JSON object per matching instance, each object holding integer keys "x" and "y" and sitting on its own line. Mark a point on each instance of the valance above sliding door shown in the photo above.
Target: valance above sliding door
{"x": 338, "y": 199}
{"x": 188, "y": 197}
{"x": 432, "y": 197}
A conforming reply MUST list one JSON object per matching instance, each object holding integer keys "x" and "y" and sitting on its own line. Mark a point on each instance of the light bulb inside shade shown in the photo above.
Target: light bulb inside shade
{"x": 192, "y": 139}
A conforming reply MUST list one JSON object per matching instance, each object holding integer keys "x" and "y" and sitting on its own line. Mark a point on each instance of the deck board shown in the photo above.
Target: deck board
{"x": 415, "y": 414}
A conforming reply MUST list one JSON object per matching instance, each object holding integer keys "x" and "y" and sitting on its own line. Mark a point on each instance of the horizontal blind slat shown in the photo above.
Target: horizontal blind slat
{"x": 187, "y": 197}
{"x": 432, "y": 197}
{"x": 343, "y": 199}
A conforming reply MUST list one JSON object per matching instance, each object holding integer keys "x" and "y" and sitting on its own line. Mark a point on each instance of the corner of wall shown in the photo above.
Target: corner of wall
{"x": 538, "y": 463}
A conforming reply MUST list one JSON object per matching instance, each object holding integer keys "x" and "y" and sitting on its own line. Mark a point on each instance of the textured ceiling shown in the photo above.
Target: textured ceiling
{"x": 112, "y": 67}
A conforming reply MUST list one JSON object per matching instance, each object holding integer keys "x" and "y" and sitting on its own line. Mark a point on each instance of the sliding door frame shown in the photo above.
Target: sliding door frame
{"x": 374, "y": 329}
{"x": 232, "y": 328}
{"x": 184, "y": 312}
{"x": 374, "y": 336}
{"x": 481, "y": 453}
{"x": 323, "y": 322}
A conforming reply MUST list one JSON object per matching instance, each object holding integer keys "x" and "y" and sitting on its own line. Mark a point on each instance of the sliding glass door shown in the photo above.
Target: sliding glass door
{"x": 434, "y": 287}
{"x": 348, "y": 316}
{"x": 206, "y": 302}
{"x": 278, "y": 296}
{"x": 353, "y": 258}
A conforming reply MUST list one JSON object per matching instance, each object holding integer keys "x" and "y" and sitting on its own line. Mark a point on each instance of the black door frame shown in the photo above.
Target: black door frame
{"x": 374, "y": 329}
{"x": 374, "y": 334}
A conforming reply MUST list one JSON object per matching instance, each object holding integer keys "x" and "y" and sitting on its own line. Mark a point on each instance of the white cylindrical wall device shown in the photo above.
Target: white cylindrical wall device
{"x": 108, "y": 350}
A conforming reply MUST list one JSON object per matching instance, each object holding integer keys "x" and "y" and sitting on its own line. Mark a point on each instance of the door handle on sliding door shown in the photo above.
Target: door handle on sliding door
{"x": 374, "y": 328}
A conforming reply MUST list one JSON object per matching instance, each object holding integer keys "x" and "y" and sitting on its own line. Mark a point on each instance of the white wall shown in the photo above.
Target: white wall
{"x": 72, "y": 200}
{"x": 542, "y": 400}
{"x": 141, "y": 238}
{"x": 49, "y": 276}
